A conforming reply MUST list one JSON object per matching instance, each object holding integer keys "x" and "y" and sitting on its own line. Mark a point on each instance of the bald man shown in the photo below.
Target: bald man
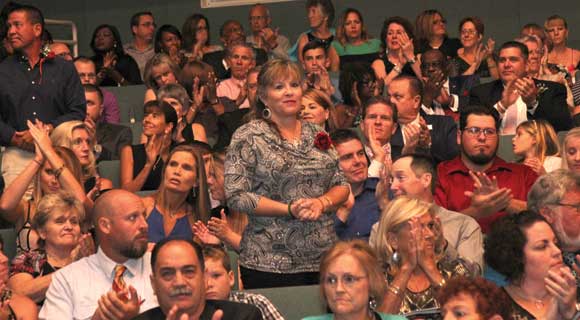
{"x": 265, "y": 37}
{"x": 114, "y": 282}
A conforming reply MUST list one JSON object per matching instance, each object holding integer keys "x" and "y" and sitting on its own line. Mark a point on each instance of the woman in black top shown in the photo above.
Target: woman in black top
{"x": 115, "y": 67}
{"x": 142, "y": 164}
{"x": 431, "y": 31}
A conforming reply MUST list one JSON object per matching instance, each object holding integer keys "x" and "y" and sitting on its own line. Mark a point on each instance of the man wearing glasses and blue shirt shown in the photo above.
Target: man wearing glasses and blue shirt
{"x": 477, "y": 182}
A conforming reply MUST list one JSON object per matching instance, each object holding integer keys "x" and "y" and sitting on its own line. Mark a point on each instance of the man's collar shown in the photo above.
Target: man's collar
{"x": 457, "y": 165}
{"x": 134, "y": 266}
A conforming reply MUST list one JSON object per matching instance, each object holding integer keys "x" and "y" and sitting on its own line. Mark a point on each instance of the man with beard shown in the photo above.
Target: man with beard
{"x": 477, "y": 182}
{"x": 179, "y": 283}
{"x": 556, "y": 196}
{"x": 112, "y": 283}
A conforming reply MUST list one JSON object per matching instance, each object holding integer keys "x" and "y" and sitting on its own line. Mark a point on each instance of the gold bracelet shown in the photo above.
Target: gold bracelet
{"x": 394, "y": 289}
{"x": 441, "y": 283}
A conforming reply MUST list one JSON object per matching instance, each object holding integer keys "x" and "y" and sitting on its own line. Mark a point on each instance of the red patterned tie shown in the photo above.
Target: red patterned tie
{"x": 118, "y": 282}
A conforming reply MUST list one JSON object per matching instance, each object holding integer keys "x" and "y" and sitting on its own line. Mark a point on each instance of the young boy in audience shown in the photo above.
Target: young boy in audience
{"x": 219, "y": 279}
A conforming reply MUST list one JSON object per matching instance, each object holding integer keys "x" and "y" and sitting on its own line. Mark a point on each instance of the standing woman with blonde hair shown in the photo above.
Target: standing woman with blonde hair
{"x": 431, "y": 33}
{"x": 536, "y": 145}
{"x": 76, "y": 136}
{"x": 284, "y": 174}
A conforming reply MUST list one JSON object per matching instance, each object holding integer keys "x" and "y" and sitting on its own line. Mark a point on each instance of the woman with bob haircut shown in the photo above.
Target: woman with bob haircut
{"x": 159, "y": 71}
{"x": 318, "y": 109}
{"x": 407, "y": 236}
{"x": 351, "y": 283}
{"x": 284, "y": 174}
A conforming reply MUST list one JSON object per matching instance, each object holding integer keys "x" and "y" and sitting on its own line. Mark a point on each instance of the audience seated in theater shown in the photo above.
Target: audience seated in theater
{"x": 52, "y": 169}
{"x": 417, "y": 131}
{"x": 114, "y": 280}
{"x": 536, "y": 145}
{"x": 88, "y": 74}
{"x": 78, "y": 137}
{"x": 159, "y": 71}
{"x": 230, "y": 32}
{"x": 407, "y": 240}
{"x": 114, "y": 66}
{"x": 62, "y": 50}
{"x": 240, "y": 57}
{"x": 110, "y": 138}
{"x": 475, "y": 56}
{"x": 354, "y": 219}
{"x": 538, "y": 67}
{"x": 168, "y": 40}
{"x": 141, "y": 48}
{"x": 352, "y": 283}
{"x": 473, "y": 298}
{"x": 178, "y": 266}
{"x": 219, "y": 280}
{"x": 571, "y": 151}
{"x": 431, "y": 33}
{"x": 320, "y": 14}
{"x": 142, "y": 165}
{"x": 524, "y": 248}
{"x": 415, "y": 176}
{"x": 13, "y": 305}
{"x": 556, "y": 197}
{"x": 182, "y": 197}
{"x": 357, "y": 84}
{"x": 318, "y": 109}
{"x": 196, "y": 37}
{"x": 518, "y": 97}
{"x": 264, "y": 36}
{"x": 177, "y": 97}
{"x": 443, "y": 95}
{"x": 200, "y": 82}
{"x": 353, "y": 42}
{"x": 397, "y": 54}
{"x": 378, "y": 126}
{"x": 58, "y": 222}
{"x": 315, "y": 64}
{"x": 564, "y": 58}
{"x": 285, "y": 182}
{"x": 477, "y": 182}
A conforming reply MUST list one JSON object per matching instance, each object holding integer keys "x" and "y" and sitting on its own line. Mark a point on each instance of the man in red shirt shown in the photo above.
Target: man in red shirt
{"x": 477, "y": 182}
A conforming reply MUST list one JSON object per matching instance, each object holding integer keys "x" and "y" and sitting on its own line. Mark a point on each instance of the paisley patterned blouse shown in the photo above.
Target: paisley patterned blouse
{"x": 260, "y": 163}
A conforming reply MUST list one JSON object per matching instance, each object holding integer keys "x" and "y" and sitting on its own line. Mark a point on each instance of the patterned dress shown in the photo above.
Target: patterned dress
{"x": 259, "y": 163}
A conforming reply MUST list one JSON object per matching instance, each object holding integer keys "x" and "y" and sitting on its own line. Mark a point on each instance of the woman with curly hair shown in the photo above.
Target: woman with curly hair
{"x": 473, "y": 298}
{"x": 524, "y": 248}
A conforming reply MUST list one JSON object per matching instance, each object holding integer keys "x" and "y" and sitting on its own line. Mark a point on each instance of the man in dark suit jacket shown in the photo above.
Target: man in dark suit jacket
{"x": 110, "y": 137}
{"x": 230, "y": 32}
{"x": 443, "y": 94}
{"x": 177, "y": 278}
{"x": 534, "y": 99}
{"x": 418, "y": 131}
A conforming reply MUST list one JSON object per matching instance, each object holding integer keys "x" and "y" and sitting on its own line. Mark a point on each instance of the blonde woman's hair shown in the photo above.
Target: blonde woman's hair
{"x": 56, "y": 203}
{"x": 368, "y": 261}
{"x": 321, "y": 98}
{"x": 62, "y": 136}
{"x": 157, "y": 60}
{"x": 424, "y": 25}
{"x": 393, "y": 217}
{"x": 572, "y": 134}
{"x": 547, "y": 143}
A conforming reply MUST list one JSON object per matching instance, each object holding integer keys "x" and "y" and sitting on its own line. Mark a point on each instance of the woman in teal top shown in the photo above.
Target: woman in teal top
{"x": 352, "y": 283}
{"x": 352, "y": 42}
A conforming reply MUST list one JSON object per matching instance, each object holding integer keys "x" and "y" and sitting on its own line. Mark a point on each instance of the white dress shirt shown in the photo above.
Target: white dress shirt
{"x": 75, "y": 289}
{"x": 437, "y": 109}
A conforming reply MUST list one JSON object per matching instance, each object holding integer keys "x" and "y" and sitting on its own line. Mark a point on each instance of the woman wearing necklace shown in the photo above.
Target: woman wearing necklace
{"x": 525, "y": 250}
{"x": 142, "y": 164}
{"x": 284, "y": 174}
{"x": 57, "y": 221}
{"x": 182, "y": 197}
{"x": 560, "y": 54}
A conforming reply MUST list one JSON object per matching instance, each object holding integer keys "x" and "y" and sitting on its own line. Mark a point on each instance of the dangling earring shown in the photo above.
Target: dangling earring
{"x": 372, "y": 304}
{"x": 193, "y": 192}
{"x": 395, "y": 257}
{"x": 114, "y": 45}
{"x": 266, "y": 113}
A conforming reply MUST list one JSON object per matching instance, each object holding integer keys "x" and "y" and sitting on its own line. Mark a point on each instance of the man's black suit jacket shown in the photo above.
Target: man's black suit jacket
{"x": 552, "y": 105}
{"x": 232, "y": 311}
{"x": 443, "y": 138}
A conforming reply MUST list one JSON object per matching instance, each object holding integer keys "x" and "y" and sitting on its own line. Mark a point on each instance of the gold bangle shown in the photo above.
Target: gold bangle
{"x": 394, "y": 289}
{"x": 441, "y": 283}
